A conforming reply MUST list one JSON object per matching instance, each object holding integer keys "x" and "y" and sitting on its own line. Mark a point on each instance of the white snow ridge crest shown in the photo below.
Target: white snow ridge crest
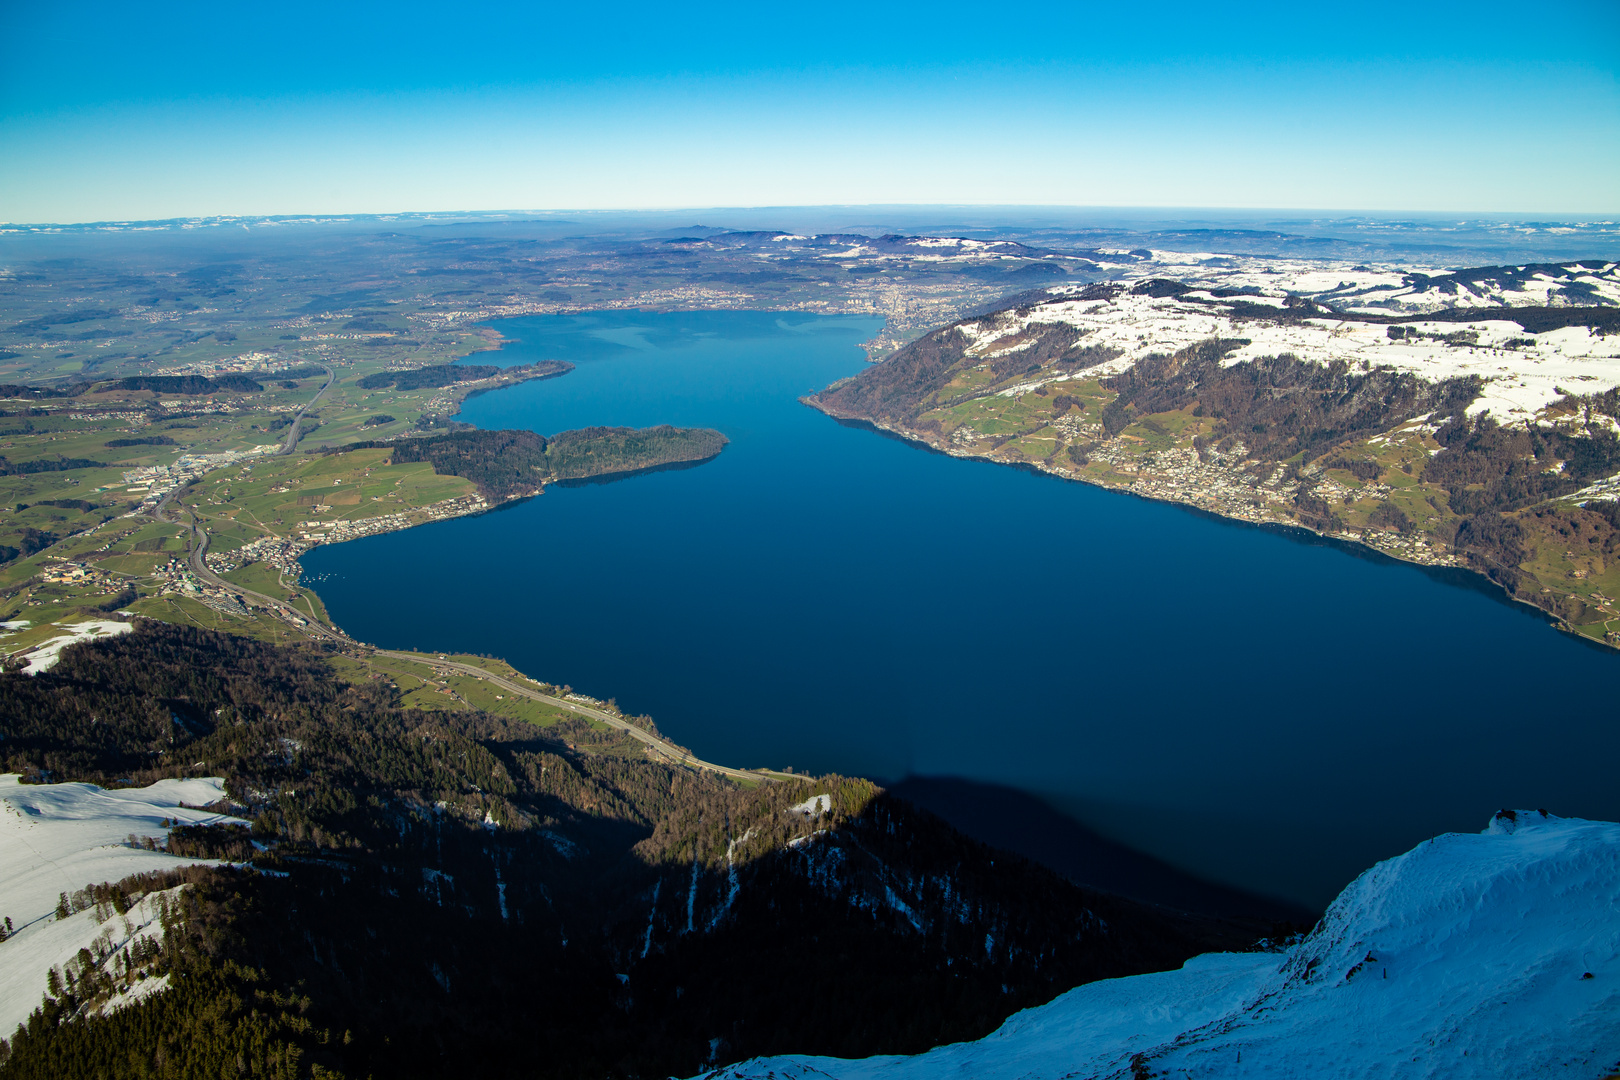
{"x": 1473, "y": 955}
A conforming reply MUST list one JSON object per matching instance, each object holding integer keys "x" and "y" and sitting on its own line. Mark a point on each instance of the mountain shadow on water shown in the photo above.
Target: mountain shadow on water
{"x": 1018, "y": 822}
{"x": 429, "y": 892}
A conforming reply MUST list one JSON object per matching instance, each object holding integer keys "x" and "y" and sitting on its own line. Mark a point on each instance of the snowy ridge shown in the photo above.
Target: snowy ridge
{"x": 1472, "y": 955}
{"x": 1523, "y": 372}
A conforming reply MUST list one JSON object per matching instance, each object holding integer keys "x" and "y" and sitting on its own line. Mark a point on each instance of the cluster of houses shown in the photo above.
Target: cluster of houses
{"x": 77, "y": 573}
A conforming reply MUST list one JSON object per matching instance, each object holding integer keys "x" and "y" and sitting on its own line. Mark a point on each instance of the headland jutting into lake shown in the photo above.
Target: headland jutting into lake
{"x": 1166, "y": 679}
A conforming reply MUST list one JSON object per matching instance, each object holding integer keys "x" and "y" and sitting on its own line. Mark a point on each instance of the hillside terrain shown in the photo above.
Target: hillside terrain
{"x": 385, "y": 886}
{"x": 275, "y": 850}
{"x": 1465, "y": 419}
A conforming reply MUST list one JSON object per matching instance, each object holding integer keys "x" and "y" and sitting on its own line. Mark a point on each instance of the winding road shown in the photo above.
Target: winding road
{"x": 199, "y": 566}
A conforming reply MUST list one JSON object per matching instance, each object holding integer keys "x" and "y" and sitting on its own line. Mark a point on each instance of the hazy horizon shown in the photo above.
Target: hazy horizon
{"x": 114, "y": 113}
{"x": 1055, "y": 215}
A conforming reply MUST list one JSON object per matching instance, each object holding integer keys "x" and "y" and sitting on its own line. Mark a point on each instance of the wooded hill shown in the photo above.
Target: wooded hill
{"x": 185, "y": 385}
{"x": 449, "y": 374}
{"x": 506, "y": 464}
{"x": 470, "y": 895}
{"x": 607, "y": 451}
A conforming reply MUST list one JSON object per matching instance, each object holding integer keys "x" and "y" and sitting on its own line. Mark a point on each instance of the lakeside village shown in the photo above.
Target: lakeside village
{"x": 1217, "y": 485}
{"x": 283, "y": 552}
{"x": 280, "y": 552}
{"x": 155, "y": 483}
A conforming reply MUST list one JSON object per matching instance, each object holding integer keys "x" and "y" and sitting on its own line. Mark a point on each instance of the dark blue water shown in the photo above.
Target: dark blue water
{"x": 1262, "y": 711}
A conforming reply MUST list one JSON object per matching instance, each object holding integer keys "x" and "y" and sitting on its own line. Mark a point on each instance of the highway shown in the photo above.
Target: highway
{"x": 292, "y": 433}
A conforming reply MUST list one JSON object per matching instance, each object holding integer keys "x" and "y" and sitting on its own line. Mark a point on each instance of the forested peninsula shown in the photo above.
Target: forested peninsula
{"x": 510, "y": 464}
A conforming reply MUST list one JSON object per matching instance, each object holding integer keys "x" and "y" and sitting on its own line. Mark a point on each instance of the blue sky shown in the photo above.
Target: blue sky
{"x": 118, "y": 111}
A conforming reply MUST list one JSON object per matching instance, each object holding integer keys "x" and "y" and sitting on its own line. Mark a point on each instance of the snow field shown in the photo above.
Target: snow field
{"x": 59, "y": 838}
{"x": 1485, "y": 955}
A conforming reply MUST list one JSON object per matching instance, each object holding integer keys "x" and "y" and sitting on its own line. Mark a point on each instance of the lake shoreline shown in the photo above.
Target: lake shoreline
{"x": 1014, "y": 617}
{"x": 1455, "y": 575}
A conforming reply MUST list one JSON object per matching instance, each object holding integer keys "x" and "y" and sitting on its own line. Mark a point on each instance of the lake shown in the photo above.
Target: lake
{"x": 1260, "y": 710}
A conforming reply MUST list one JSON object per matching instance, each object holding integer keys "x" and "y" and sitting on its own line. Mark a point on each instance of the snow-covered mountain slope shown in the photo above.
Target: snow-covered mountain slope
{"x": 56, "y": 838}
{"x": 26, "y": 959}
{"x": 1488, "y": 955}
{"x": 1575, "y": 284}
{"x": 1523, "y": 371}
{"x": 60, "y": 838}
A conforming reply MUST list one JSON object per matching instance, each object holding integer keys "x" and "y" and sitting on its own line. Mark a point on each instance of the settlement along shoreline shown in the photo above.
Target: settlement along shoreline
{"x": 1447, "y": 571}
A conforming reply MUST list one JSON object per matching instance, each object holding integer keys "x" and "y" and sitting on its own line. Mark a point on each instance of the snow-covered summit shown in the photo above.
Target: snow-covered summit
{"x": 1472, "y": 955}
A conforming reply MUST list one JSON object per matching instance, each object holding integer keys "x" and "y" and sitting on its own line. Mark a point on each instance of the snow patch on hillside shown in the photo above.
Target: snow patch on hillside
{"x": 45, "y": 656}
{"x": 1472, "y": 955}
{"x": 26, "y": 959}
{"x": 814, "y": 806}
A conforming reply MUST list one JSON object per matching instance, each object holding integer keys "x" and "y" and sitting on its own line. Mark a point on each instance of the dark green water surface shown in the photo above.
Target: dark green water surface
{"x": 1260, "y": 710}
